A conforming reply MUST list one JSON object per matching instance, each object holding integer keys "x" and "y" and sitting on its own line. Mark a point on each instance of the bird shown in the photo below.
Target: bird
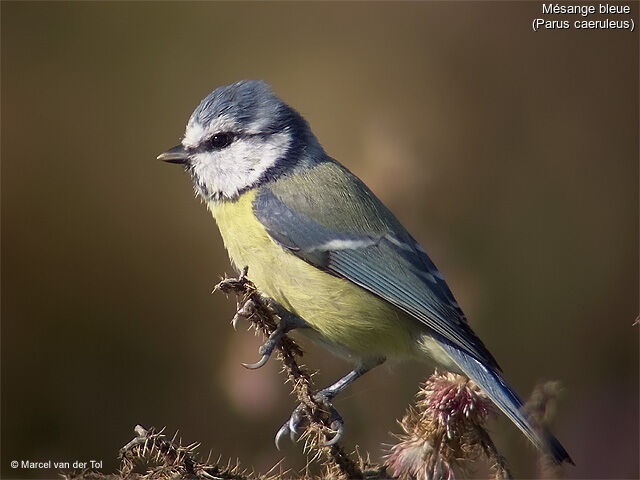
{"x": 327, "y": 253}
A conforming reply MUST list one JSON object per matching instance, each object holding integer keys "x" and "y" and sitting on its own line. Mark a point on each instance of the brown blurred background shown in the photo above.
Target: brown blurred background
{"x": 511, "y": 155}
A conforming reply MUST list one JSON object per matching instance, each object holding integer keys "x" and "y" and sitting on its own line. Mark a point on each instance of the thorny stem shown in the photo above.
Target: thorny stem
{"x": 265, "y": 319}
{"x": 165, "y": 459}
{"x": 442, "y": 430}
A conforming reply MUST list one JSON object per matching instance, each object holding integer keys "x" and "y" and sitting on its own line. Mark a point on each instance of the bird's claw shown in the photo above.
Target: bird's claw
{"x": 337, "y": 424}
{"x": 244, "y": 311}
{"x": 283, "y": 432}
{"x": 266, "y": 349}
{"x": 291, "y": 426}
{"x": 258, "y": 364}
{"x": 338, "y": 427}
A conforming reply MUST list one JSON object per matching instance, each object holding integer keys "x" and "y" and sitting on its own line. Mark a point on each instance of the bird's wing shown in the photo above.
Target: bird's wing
{"x": 386, "y": 261}
{"x": 344, "y": 230}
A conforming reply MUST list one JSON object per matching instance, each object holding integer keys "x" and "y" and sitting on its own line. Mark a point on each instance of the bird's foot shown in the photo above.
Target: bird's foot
{"x": 291, "y": 427}
{"x": 266, "y": 349}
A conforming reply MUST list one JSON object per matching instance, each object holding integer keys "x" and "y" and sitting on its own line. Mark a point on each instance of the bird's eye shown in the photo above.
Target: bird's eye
{"x": 220, "y": 140}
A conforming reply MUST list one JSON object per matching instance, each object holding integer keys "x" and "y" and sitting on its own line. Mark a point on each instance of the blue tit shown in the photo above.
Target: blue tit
{"x": 320, "y": 245}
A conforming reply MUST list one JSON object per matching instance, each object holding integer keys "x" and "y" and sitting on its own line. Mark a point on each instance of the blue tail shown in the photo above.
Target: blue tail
{"x": 501, "y": 393}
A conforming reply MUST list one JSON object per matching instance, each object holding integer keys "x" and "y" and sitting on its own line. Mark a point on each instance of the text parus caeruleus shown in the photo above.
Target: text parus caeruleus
{"x": 320, "y": 244}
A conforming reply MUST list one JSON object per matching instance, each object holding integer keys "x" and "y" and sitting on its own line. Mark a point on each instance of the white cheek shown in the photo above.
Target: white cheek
{"x": 228, "y": 171}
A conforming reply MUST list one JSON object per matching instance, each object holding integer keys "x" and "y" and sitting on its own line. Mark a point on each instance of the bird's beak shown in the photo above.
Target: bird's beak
{"x": 176, "y": 154}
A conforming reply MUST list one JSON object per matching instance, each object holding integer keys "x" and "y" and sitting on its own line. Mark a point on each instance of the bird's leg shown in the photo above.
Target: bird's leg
{"x": 288, "y": 322}
{"x": 325, "y": 396}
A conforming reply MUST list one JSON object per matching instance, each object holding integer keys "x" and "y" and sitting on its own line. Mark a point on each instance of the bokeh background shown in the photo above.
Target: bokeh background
{"x": 511, "y": 155}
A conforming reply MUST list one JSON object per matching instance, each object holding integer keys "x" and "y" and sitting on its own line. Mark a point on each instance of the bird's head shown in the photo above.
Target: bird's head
{"x": 239, "y": 136}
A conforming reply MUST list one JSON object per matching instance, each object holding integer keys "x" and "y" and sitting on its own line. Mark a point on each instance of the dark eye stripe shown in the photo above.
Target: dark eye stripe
{"x": 218, "y": 141}
{"x": 222, "y": 140}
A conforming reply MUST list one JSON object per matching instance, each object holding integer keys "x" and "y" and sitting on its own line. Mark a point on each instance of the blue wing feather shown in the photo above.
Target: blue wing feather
{"x": 398, "y": 272}
{"x": 402, "y": 274}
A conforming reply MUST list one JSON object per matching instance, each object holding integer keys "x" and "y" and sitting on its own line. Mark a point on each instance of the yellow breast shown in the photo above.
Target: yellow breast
{"x": 342, "y": 313}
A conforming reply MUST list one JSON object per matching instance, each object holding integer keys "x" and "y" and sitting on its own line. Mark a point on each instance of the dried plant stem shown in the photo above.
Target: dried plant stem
{"x": 163, "y": 459}
{"x": 265, "y": 319}
{"x": 442, "y": 430}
